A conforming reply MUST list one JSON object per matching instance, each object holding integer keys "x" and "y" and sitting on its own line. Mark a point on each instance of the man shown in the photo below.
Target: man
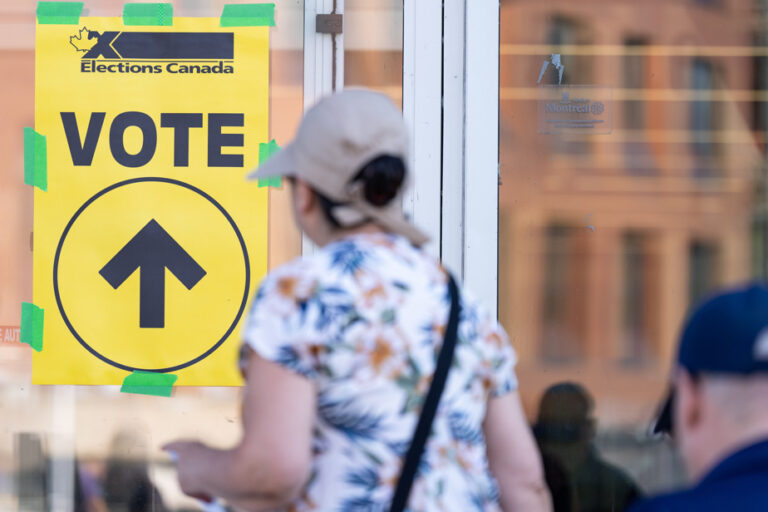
{"x": 718, "y": 409}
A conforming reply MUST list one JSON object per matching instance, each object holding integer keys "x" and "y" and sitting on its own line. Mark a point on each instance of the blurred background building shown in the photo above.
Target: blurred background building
{"x": 606, "y": 240}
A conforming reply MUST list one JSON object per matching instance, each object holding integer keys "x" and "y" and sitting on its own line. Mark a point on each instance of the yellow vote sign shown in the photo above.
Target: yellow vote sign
{"x": 148, "y": 240}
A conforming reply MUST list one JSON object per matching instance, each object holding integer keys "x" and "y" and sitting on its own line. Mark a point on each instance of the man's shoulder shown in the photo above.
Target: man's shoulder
{"x": 745, "y": 494}
{"x": 670, "y": 502}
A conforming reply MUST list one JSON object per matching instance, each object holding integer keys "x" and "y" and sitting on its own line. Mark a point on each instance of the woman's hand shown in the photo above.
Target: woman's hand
{"x": 271, "y": 463}
{"x": 189, "y": 458}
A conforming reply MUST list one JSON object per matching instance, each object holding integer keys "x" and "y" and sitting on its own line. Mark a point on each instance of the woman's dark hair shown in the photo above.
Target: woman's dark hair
{"x": 382, "y": 178}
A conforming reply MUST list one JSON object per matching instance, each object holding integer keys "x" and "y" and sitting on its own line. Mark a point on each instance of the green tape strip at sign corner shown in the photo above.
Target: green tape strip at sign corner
{"x": 149, "y": 383}
{"x": 248, "y": 15}
{"x": 35, "y": 159}
{"x": 59, "y": 13}
{"x": 266, "y": 150}
{"x": 31, "y": 331}
{"x": 148, "y": 14}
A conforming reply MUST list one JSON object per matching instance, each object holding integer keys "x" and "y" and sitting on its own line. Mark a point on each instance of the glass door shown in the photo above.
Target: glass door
{"x": 61, "y": 446}
{"x": 614, "y": 223}
{"x": 64, "y": 447}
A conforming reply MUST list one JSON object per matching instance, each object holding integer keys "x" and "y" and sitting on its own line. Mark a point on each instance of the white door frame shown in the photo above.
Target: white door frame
{"x": 422, "y": 75}
{"x": 451, "y": 105}
{"x": 452, "y": 246}
{"x": 470, "y": 145}
{"x": 323, "y": 65}
{"x": 481, "y": 149}
{"x": 422, "y": 110}
{"x": 319, "y": 53}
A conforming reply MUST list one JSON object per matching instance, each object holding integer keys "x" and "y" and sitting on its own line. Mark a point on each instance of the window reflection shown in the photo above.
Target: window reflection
{"x": 703, "y": 265}
{"x": 607, "y": 240}
{"x": 704, "y": 118}
{"x": 121, "y": 483}
{"x": 639, "y": 157}
{"x": 639, "y": 298}
{"x": 566, "y": 30}
{"x": 563, "y": 324}
{"x": 580, "y": 478}
{"x": 373, "y": 46}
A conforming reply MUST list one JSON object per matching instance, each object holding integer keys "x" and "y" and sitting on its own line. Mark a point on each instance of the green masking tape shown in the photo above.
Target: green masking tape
{"x": 149, "y": 383}
{"x": 31, "y": 331}
{"x": 275, "y": 181}
{"x": 59, "y": 13}
{"x": 248, "y": 15}
{"x": 266, "y": 150}
{"x": 35, "y": 159}
{"x": 148, "y": 14}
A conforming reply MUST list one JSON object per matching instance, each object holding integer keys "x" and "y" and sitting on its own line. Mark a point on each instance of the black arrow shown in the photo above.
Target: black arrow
{"x": 152, "y": 250}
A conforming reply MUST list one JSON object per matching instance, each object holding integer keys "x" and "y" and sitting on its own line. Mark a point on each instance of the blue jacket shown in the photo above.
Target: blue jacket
{"x": 738, "y": 483}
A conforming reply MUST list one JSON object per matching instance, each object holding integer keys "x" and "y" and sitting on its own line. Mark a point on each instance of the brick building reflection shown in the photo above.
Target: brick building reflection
{"x": 605, "y": 240}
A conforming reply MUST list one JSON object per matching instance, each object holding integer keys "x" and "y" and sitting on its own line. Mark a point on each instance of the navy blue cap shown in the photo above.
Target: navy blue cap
{"x": 727, "y": 334}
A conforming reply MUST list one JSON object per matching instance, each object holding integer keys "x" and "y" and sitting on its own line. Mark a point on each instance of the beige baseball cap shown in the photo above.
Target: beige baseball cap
{"x": 336, "y": 138}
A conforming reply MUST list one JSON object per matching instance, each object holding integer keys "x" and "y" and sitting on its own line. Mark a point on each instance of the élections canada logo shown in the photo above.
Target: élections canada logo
{"x": 154, "y": 52}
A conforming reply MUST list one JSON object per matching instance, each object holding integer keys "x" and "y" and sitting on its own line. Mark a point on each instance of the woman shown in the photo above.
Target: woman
{"x": 342, "y": 348}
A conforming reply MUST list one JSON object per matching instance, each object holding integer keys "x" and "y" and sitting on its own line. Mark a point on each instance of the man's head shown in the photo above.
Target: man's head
{"x": 720, "y": 397}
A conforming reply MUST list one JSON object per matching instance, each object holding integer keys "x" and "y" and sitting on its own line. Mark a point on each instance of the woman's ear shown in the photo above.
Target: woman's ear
{"x": 303, "y": 196}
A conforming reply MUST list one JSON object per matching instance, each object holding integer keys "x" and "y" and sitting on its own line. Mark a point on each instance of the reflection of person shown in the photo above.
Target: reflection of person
{"x": 88, "y": 495}
{"x": 127, "y": 486}
{"x": 564, "y": 430}
{"x": 719, "y": 415}
{"x": 344, "y": 345}
{"x": 563, "y": 499}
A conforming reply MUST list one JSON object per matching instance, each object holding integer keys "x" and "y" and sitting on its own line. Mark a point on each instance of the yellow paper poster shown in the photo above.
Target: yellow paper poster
{"x": 148, "y": 241}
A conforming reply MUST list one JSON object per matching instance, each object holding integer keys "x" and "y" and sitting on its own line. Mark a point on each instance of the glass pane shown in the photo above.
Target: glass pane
{"x": 612, "y": 227}
{"x": 63, "y": 446}
{"x": 373, "y": 46}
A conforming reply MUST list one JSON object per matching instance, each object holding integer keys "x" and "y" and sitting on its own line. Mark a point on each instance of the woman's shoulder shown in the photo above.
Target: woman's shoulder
{"x": 353, "y": 263}
{"x": 379, "y": 255}
{"x": 346, "y": 255}
{"x": 293, "y": 279}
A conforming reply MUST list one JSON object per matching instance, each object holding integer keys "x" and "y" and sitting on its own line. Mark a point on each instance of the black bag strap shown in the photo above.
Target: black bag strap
{"x": 428, "y": 411}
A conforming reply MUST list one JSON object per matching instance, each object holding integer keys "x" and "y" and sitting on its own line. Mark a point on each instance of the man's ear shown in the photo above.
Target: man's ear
{"x": 689, "y": 401}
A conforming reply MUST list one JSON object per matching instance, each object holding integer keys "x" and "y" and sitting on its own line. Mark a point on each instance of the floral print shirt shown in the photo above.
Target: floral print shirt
{"x": 364, "y": 319}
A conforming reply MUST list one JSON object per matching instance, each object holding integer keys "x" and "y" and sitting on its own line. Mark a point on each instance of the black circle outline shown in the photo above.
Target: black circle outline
{"x": 157, "y": 180}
